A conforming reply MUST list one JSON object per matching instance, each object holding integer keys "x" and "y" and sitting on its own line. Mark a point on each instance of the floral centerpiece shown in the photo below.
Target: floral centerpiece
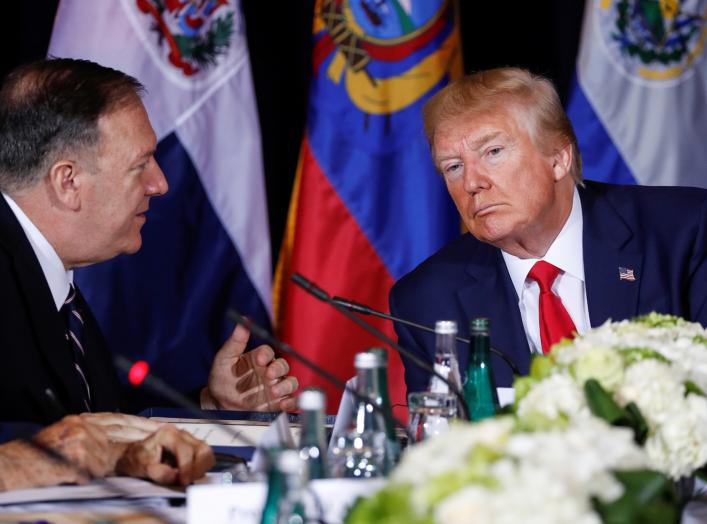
{"x": 649, "y": 374}
{"x": 599, "y": 430}
{"x": 497, "y": 471}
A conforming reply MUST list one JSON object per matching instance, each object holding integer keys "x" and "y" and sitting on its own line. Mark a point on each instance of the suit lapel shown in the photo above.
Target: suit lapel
{"x": 490, "y": 293}
{"x": 608, "y": 247}
{"x": 48, "y": 326}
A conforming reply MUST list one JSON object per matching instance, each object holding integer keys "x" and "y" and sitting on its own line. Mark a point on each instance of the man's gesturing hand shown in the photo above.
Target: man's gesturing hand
{"x": 255, "y": 381}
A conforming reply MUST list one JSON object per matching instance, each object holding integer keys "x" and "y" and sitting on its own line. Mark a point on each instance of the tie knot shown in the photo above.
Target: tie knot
{"x": 544, "y": 274}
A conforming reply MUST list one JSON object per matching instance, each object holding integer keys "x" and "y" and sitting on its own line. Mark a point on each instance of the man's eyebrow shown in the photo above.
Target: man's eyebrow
{"x": 476, "y": 144}
{"x": 442, "y": 158}
{"x": 146, "y": 155}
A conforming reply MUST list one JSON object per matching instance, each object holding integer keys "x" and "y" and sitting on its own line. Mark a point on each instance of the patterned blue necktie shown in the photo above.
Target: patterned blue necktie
{"x": 74, "y": 336}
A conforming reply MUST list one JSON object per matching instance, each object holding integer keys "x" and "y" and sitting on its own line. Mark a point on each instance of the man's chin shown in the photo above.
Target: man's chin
{"x": 494, "y": 236}
{"x": 133, "y": 247}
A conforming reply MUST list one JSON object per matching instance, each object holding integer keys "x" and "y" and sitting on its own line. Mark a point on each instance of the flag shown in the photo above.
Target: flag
{"x": 367, "y": 205}
{"x": 206, "y": 244}
{"x": 640, "y": 97}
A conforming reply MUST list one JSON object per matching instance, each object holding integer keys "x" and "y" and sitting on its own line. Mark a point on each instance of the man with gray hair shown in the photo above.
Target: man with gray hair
{"x": 77, "y": 173}
{"x": 547, "y": 254}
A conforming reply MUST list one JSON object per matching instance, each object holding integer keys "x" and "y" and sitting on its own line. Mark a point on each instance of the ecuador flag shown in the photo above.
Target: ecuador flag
{"x": 368, "y": 205}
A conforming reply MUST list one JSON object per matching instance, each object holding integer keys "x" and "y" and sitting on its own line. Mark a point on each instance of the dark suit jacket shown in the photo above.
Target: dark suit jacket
{"x": 658, "y": 232}
{"x": 35, "y": 353}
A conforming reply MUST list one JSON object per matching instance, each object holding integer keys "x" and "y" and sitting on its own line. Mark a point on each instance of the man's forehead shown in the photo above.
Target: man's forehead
{"x": 127, "y": 123}
{"x": 472, "y": 133}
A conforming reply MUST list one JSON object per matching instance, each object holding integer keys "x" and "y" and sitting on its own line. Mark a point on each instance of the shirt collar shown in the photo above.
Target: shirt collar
{"x": 565, "y": 252}
{"x": 53, "y": 268}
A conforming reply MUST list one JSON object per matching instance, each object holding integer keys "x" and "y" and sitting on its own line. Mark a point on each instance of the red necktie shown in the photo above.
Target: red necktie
{"x": 555, "y": 322}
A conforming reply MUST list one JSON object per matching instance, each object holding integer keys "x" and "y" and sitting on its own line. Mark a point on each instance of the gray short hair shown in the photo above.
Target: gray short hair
{"x": 51, "y": 107}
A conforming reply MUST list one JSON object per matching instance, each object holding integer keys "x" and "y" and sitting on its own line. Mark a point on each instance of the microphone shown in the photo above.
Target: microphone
{"x": 357, "y": 307}
{"x": 314, "y": 290}
{"x": 138, "y": 374}
{"x": 263, "y": 333}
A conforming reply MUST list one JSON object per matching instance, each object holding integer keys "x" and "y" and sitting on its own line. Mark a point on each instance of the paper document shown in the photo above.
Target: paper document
{"x": 226, "y": 432}
{"x": 112, "y": 487}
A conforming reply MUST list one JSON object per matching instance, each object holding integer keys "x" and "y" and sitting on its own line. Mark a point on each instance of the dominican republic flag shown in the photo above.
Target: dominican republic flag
{"x": 639, "y": 106}
{"x": 206, "y": 245}
{"x": 368, "y": 205}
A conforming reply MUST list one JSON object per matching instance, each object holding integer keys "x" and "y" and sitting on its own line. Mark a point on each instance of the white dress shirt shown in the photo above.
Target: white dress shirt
{"x": 58, "y": 277}
{"x": 566, "y": 252}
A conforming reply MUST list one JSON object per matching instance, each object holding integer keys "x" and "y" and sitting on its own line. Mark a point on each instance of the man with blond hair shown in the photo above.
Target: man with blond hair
{"x": 547, "y": 253}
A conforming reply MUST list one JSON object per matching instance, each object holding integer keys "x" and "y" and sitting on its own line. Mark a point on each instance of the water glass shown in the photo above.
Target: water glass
{"x": 430, "y": 414}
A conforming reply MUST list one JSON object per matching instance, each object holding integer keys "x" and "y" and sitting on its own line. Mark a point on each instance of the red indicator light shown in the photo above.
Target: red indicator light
{"x": 138, "y": 372}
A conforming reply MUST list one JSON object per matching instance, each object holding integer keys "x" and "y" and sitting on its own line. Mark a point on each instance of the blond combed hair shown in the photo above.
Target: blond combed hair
{"x": 531, "y": 98}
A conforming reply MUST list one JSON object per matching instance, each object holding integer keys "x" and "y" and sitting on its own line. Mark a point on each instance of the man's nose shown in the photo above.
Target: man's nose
{"x": 156, "y": 183}
{"x": 474, "y": 180}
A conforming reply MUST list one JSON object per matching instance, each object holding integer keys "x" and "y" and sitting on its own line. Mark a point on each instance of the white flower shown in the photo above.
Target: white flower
{"x": 591, "y": 446}
{"x": 527, "y": 494}
{"x": 655, "y": 387}
{"x": 551, "y": 399}
{"x": 449, "y": 450}
{"x": 679, "y": 446}
{"x": 601, "y": 363}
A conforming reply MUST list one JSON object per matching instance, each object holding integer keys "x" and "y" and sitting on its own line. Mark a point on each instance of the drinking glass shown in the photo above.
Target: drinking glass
{"x": 430, "y": 414}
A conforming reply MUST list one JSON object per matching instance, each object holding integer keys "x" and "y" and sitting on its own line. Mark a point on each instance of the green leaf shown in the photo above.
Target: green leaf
{"x": 522, "y": 386}
{"x": 637, "y": 423}
{"x": 390, "y": 505}
{"x": 649, "y": 498}
{"x": 602, "y": 404}
{"x": 541, "y": 366}
{"x": 691, "y": 387}
{"x": 654, "y": 319}
{"x": 635, "y": 354}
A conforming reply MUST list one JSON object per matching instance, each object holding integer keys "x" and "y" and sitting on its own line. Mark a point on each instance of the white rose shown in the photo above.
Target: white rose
{"x": 601, "y": 363}
{"x": 551, "y": 399}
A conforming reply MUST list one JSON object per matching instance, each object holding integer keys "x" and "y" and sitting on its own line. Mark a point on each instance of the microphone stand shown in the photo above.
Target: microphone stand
{"x": 357, "y": 307}
{"x": 314, "y": 290}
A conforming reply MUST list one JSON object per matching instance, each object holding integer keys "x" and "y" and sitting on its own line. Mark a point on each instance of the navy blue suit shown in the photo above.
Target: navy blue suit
{"x": 35, "y": 354}
{"x": 658, "y": 232}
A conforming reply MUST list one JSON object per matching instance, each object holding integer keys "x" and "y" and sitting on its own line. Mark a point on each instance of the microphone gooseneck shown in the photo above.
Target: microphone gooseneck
{"x": 160, "y": 386}
{"x": 322, "y": 295}
{"x": 357, "y": 307}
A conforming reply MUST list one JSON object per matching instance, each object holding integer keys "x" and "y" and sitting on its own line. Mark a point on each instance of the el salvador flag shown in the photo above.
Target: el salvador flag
{"x": 639, "y": 104}
{"x": 206, "y": 243}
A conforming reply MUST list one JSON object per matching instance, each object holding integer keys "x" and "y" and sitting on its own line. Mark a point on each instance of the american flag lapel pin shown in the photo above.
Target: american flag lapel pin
{"x": 626, "y": 273}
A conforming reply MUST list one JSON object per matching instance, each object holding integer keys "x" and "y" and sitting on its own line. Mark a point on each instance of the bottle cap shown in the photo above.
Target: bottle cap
{"x": 311, "y": 399}
{"x": 446, "y": 327}
{"x": 480, "y": 324}
{"x": 381, "y": 352}
{"x": 367, "y": 361}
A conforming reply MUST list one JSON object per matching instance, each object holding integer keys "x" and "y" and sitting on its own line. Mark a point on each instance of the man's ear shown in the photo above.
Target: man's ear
{"x": 562, "y": 161}
{"x": 65, "y": 182}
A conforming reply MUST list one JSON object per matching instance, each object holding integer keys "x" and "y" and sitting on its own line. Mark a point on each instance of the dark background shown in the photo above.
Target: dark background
{"x": 541, "y": 35}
